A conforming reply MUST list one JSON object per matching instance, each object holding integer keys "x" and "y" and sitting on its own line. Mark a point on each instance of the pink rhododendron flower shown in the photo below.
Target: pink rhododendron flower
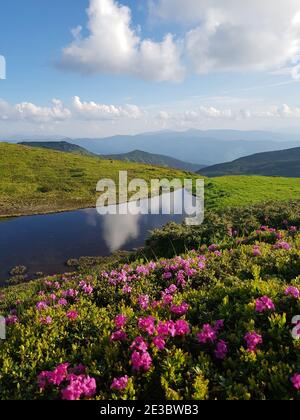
{"x": 55, "y": 377}
{"x": 53, "y": 297}
{"x": 11, "y": 320}
{"x": 79, "y": 386}
{"x": 166, "y": 328}
{"x": 147, "y": 325}
{"x": 296, "y": 380}
{"x": 264, "y": 304}
{"x": 207, "y": 335}
{"x": 118, "y": 336}
{"x": 159, "y": 342}
{"x": 88, "y": 289}
{"x": 283, "y": 245}
{"x": 139, "y": 344}
{"x": 201, "y": 265}
{"x": 171, "y": 289}
{"x": 292, "y": 291}
{"x": 72, "y": 315}
{"x": 253, "y": 340}
{"x": 120, "y": 321}
{"x": 191, "y": 272}
{"x": 119, "y": 384}
{"x": 143, "y": 270}
{"x": 141, "y": 361}
{"x": 152, "y": 266}
{"x": 180, "y": 309}
{"x": 181, "y": 328}
{"x": 144, "y": 302}
{"x": 256, "y": 251}
{"x": 221, "y": 350}
{"x": 62, "y": 302}
{"x": 72, "y": 293}
{"x": 167, "y": 299}
{"x": 213, "y": 248}
{"x": 168, "y": 275}
{"x": 155, "y": 304}
{"x": 41, "y": 306}
{"x": 127, "y": 289}
{"x": 46, "y": 321}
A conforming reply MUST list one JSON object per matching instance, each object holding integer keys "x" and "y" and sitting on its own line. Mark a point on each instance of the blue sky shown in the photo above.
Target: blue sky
{"x": 148, "y": 65}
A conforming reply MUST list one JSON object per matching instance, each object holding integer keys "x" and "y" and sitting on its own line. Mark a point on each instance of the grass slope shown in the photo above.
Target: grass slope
{"x": 60, "y": 146}
{"x": 139, "y": 156}
{"x": 284, "y": 163}
{"x": 34, "y": 180}
{"x": 233, "y": 191}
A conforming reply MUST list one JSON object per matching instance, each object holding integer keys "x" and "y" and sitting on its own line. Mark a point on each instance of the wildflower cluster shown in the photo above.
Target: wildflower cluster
{"x": 213, "y": 323}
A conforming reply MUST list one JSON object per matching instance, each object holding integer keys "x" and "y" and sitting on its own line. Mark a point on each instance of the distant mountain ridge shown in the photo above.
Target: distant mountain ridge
{"x": 206, "y": 147}
{"x": 61, "y": 146}
{"x": 139, "y": 156}
{"x": 283, "y": 163}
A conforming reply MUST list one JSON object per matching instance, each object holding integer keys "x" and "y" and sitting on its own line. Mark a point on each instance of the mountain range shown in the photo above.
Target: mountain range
{"x": 137, "y": 156}
{"x": 284, "y": 163}
{"x": 195, "y": 146}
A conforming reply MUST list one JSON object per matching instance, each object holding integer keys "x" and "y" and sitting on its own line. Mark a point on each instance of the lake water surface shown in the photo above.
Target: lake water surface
{"x": 44, "y": 243}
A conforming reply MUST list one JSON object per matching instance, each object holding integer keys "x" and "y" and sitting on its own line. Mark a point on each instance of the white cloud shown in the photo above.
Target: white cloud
{"x": 95, "y": 111}
{"x": 79, "y": 110}
{"x": 27, "y": 111}
{"x": 235, "y": 35}
{"x": 284, "y": 111}
{"x": 93, "y": 119}
{"x": 198, "y": 114}
{"x": 220, "y": 36}
{"x": 113, "y": 46}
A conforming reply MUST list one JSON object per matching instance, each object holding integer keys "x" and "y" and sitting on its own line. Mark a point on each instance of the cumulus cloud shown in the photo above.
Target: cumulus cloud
{"x": 235, "y": 35}
{"x": 114, "y": 46}
{"x": 95, "y": 111}
{"x": 58, "y": 112}
{"x": 27, "y": 111}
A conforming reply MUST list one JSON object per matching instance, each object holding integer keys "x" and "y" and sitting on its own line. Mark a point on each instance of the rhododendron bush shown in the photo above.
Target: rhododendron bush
{"x": 213, "y": 323}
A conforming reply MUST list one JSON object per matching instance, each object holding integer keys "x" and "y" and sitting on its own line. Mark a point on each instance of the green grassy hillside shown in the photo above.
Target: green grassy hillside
{"x": 60, "y": 146}
{"x": 284, "y": 163}
{"x": 233, "y": 191}
{"x": 34, "y": 180}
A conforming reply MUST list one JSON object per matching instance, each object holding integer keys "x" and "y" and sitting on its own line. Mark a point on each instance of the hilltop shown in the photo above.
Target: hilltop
{"x": 60, "y": 146}
{"x": 285, "y": 163}
{"x": 35, "y": 180}
{"x": 139, "y": 156}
